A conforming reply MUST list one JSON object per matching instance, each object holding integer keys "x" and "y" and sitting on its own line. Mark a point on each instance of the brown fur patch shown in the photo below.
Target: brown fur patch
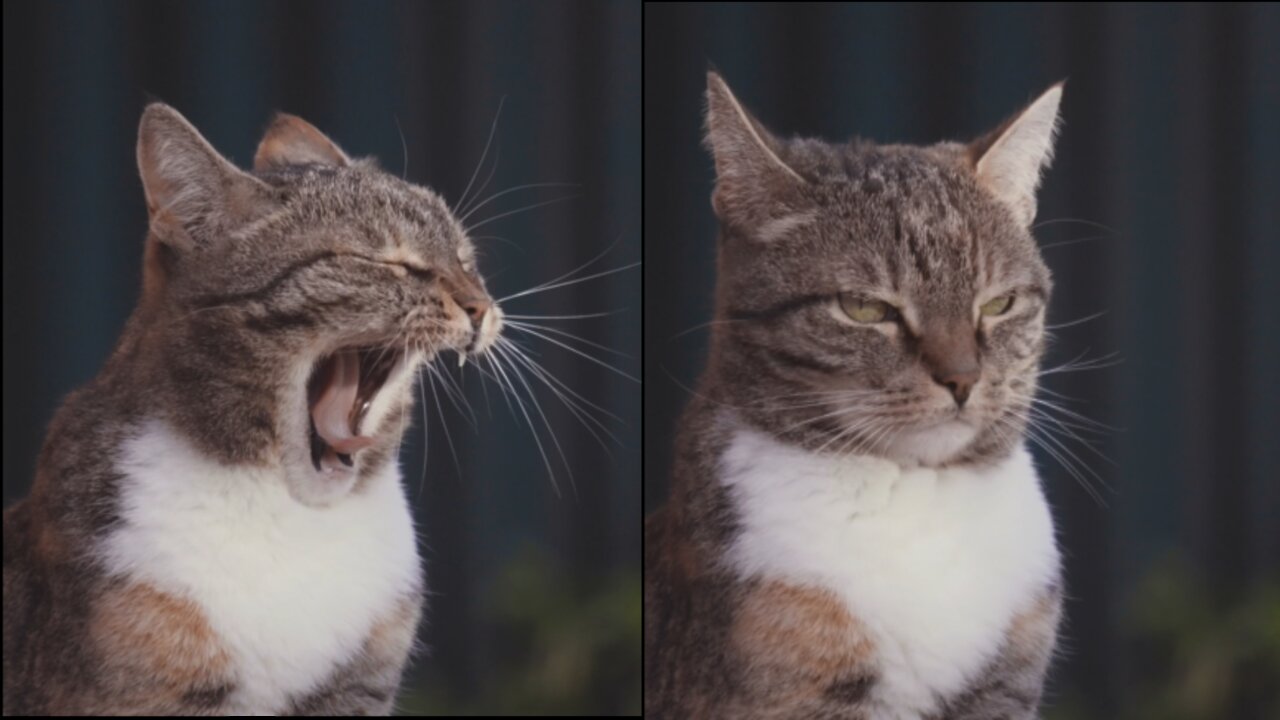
{"x": 50, "y": 544}
{"x": 165, "y": 636}
{"x": 392, "y": 635}
{"x": 806, "y": 634}
{"x": 1031, "y": 622}
{"x": 1033, "y": 631}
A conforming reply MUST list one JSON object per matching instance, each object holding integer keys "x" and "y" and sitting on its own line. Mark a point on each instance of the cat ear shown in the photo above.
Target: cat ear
{"x": 290, "y": 140}
{"x": 755, "y": 189}
{"x": 192, "y": 192}
{"x": 1010, "y": 159}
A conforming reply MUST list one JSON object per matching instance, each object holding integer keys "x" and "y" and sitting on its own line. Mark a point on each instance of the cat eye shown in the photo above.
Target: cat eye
{"x": 998, "y": 306}
{"x": 867, "y": 311}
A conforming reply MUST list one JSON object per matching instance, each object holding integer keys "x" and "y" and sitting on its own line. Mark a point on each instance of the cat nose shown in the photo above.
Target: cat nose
{"x": 475, "y": 308}
{"x": 959, "y": 382}
{"x": 949, "y": 352}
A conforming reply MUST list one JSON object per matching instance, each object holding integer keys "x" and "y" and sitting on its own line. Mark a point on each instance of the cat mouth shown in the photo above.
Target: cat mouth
{"x": 339, "y": 394}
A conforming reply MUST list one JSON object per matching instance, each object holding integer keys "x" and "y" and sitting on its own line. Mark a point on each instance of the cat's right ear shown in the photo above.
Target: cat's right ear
{"x": 1010, "y": 160}
{"x": 193, "y": 193}
{"x": 755, "y": 190}
{"x": 290, "y": 140}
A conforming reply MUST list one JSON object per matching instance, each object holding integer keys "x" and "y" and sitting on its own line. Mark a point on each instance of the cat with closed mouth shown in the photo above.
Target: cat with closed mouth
{"x": 217, "y": 524}
{"x": 855, "y": 528}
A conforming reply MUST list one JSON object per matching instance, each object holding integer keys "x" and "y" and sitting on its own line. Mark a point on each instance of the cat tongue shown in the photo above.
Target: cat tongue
{"x": 331, "y": 412}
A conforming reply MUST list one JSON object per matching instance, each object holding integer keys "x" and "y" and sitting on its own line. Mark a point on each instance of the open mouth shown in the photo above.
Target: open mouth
{"x": 341, "y": 390}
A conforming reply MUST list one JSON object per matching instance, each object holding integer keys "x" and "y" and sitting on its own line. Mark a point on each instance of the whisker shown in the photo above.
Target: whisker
{"x": 1079, "y": 365}
{"x": 834, "y": 413}
{"x": 850, "y": 431}
{"x": 513, "y": 346}
{"x": 1065, "y": 428}
{"x": 404, "y": 148}
{"x": 492, "y": 129}
{"x": 528, "y": 328}
{"x": 573, "y": 407}
{"x": 565, "y": 317}
{"x": 1081, "y": 221}
{"x": 1038, "y": 436}
{"x": 508, "y": 191}
{"x": 523, "y": 411}
{"x": 699, "y": 326}
{"x": 1084, "y": 319}
{"x": 578, "y": 352}
{"x": 532, "y": 291}
{"x": 493, "y": 170}
{"x": 1073, "y": 241}
{"x": 467, "y": 414}
{"x": 426, "y": 435}
{"x": 528, "y": 419}
{"x": 1086, "y": 420}
{"x": 404, "y": 417}
{"x": 489, "y": 359}
{"x": 526, "y": 208}
{"x": 445, "y": 426}
{"x": 574, "y": 271}
{"x": 515, "y": 245}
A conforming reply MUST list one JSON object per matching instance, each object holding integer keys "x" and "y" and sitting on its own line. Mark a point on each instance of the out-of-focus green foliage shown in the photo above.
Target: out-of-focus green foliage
{"x": 566, "y": 650}
{"x": 1192, "y": 657}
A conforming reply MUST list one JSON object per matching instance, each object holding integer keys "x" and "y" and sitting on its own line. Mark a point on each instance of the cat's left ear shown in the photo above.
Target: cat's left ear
{"x": 1010, "y": 160}
{"x": 290, "y": 140}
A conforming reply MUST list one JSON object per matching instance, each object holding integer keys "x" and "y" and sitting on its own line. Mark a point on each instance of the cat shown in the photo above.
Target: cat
{"x": 855, "y": 529}
{"x": 217, "y": 524}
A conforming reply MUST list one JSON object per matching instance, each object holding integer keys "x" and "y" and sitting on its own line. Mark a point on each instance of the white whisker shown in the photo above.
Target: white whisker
{"x": 576, "y": 410}
{"x": 526, "y": 328}
{"x": 576, "y": 351}
{"x": 532, "y": 291}
{"x": 564, "y": 317}
{"x": 493, "y": 128}
{"x": 495, "y": 196}
{"x": 1071, "y": 323}
{"x": 444, "y": 425}
{"x": 523, "y": 411}
{"x": 509, "y": 213}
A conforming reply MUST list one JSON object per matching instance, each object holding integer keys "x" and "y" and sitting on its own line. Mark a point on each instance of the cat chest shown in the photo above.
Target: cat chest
{"x": 290, "y": 592}
{"x": 930, "y": 567}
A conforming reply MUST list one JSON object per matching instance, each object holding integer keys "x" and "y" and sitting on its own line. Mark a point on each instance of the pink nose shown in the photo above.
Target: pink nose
{"x": 959, "y": 382}
{"x": 475, "y": 308}
{"x": 949, "y": 352}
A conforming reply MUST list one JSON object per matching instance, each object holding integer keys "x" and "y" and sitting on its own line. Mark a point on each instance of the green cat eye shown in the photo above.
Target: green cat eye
{"x": 867, "y": 311}
{"x": 998, "y": 306}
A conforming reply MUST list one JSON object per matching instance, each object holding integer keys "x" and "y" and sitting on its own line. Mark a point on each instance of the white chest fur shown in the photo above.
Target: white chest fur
{"x": 934, "y": 563}
{"x": 292, "y": 590}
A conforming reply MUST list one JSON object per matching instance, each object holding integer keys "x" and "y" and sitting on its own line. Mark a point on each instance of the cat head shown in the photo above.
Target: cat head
{"x": 286, "y": 308}
{"x": 881, "y": 299}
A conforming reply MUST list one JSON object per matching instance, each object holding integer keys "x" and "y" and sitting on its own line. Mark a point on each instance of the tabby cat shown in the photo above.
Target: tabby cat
{"x": 855, "y": 528}
{"x": 217, "y": 524}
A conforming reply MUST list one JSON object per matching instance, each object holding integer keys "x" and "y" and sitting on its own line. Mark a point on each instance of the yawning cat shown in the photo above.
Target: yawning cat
{"x": 217, "y": 524}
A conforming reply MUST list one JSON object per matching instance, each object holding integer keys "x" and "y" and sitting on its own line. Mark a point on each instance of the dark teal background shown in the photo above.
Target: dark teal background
{"x": 76, "y": 77}
{"x": 1170, "y": 158}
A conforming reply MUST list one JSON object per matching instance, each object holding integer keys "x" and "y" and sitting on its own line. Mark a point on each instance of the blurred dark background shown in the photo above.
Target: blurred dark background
{"x": 1169, "y": 168}
{"x": 535, "y": 601}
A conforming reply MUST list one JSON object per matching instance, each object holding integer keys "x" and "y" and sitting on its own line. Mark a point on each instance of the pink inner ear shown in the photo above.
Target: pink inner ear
{"x": 293, "y": 141}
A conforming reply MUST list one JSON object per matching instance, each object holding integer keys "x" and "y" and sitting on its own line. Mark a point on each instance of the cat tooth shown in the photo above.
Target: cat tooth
{"x": 462, "y": 359}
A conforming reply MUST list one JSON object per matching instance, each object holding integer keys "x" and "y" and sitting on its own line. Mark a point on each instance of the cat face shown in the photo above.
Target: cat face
{"x": 320, "y": 282}
{"x": 880, "y": 299}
